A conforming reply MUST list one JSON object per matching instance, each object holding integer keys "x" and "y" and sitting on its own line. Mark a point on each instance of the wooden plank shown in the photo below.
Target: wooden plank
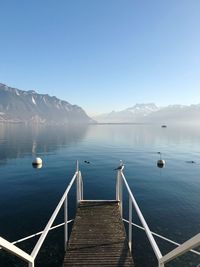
{"x": 98, "y": 237}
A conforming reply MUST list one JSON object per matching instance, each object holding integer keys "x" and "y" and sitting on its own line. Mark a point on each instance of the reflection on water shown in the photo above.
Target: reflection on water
{"x": 16, "y": 140}
{"x": 169, "y": 197}
{"x": 145, "y": 134}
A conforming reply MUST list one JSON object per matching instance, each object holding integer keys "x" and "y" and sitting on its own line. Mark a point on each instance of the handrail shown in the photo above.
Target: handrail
{"x": 162, "y": 237}
{"x": 181, "y": 249}
{"x": 15, "y": 250}
{"x": 141, "y": 217}
{"x": 186, "y": 246}
{"x": 31, "y": 258}
{"x": 36, "y": 234}
{"x": 39, "y": 233}
{"x": 133, "y": 224}
{"x": 51, "y": 220}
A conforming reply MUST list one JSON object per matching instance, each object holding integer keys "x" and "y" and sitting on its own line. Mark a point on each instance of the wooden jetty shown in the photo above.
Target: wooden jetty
{"x": 98, "y": 236}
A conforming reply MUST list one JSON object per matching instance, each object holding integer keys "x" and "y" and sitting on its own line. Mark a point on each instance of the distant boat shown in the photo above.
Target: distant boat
{"x": 164, "y": 126}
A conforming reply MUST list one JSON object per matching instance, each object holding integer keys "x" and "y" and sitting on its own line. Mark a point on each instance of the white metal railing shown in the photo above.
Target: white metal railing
{"x": 121, "y": 180}
{"x": 16, "y": 251}
{"x": 162, "y": 237}
{"x": 4, "y": 244}
{"x": 132, "y": 202}
{"x": 181, "y": 249}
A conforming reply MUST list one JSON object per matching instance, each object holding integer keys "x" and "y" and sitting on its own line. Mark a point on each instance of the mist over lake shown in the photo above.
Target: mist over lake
{"x": 169, "y": 197}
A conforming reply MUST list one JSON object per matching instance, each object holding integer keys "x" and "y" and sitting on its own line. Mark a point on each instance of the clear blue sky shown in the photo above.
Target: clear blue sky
{"x": 103, "y": 54}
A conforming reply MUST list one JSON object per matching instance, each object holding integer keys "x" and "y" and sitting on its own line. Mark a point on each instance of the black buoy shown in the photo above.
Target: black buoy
{"x": 160, "y": 162}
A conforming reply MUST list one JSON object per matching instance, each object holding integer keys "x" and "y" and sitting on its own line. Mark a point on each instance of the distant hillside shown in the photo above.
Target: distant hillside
{"x": 150, "y": 113}
{"x": 133, "y": 114}
{"x": 28, "y": 106}
{"x": 176, "y": 114}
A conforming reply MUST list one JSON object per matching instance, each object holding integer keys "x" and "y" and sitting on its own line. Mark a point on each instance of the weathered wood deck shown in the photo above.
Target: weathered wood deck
{"x": 98, "y": 237}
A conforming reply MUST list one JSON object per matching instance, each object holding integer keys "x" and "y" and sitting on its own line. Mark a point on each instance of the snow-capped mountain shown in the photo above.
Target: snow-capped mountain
{"x": 176, "y": 114}
{"x": 150, "y": 113}
{"x": 132, "y": 114}
{"x": 143, "y": 109}
{"x": 28, "y": 106}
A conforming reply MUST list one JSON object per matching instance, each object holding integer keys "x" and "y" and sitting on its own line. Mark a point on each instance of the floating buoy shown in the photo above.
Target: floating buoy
{"x": 161, "y": 163}
{"x": 37, "y": 163}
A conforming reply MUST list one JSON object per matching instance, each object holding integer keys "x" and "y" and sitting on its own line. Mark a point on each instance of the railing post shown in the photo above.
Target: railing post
{"x": 78, "y": 185}
{"x": 119, "y": 196}
{"x": 130, "y": 224}
{"x": 31, "y": 264}
{"x": 161, "y": 264}
{"x": 117, "y": 187}
{"x": 78, "y": 188}
{"x": 65, "y": 220}
{"x": 121, "y": 193}
{"x": 77, "y": 166}
{"x": 81, "y": 186}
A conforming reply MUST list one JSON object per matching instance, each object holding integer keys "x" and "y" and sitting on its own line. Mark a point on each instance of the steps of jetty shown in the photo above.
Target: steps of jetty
{"x": 98, "y": 237}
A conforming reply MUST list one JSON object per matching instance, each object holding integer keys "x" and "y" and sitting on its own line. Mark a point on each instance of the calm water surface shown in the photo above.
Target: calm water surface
{"x": 169, "y": 198}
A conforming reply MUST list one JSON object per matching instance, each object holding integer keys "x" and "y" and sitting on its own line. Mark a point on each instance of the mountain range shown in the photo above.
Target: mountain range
{"x": 150, "y": 113}
{"x": 30, "y": 107}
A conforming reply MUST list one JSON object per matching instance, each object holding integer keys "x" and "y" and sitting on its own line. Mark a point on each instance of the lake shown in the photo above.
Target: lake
{"x": 169, "y": 197}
